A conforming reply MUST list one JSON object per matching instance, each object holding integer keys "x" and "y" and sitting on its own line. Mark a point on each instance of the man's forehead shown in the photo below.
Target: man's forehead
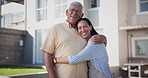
{"x": 75, "y": 6}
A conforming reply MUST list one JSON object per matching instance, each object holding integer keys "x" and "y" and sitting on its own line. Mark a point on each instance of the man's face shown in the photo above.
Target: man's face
{"x": 74, "y": 13}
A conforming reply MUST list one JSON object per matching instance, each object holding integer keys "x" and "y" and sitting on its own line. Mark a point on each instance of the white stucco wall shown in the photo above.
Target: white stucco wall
{"x": 109, "y": 22}
{"x": 123, "y": 42}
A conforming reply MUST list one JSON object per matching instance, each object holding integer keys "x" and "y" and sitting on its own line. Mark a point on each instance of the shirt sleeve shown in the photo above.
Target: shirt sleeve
{"x": 86, "y": 54}
{"x": 49, "y": 42}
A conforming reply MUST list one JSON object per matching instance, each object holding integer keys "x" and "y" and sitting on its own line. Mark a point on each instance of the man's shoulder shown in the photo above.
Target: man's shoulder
{"x": 58, "y": 25}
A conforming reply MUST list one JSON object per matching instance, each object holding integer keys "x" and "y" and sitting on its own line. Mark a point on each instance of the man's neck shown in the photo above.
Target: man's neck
{"x": 72, "y": 25}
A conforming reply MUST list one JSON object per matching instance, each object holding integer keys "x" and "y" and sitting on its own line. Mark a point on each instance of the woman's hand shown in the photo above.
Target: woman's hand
{"x": 99, "y": 39}
{"x": 60, "y": 60}
{"x": 54, "y": 60}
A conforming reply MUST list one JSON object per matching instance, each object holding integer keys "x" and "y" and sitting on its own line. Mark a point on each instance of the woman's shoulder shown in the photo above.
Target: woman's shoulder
{"x": 90, "y": 42}
{"x": 93, "y": 44}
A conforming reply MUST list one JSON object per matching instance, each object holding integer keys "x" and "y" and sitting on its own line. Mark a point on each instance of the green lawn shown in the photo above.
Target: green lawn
{"x": 14, "y": 70}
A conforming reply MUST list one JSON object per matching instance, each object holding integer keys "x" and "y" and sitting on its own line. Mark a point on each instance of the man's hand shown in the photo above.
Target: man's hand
{"x": 99, "y": 39}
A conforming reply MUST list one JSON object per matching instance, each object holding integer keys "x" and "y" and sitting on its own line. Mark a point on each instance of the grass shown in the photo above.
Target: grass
{"x": 15, "y": 70}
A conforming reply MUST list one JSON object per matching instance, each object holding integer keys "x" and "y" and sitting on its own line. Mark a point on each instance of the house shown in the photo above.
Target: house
{"x": 136, "y": 30}
{"x": 123, "y": 22}
{"x": 11, "y": 40}
{"x": 13, "y": 18}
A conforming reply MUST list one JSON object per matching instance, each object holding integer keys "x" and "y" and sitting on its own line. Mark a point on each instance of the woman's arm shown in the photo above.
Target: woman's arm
{"x": 85, "y": 55}
{"x": 61, "y": 60}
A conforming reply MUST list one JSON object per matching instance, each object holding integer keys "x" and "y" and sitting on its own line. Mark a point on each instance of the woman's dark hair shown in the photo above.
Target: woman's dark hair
{"x": 93, "y": 31}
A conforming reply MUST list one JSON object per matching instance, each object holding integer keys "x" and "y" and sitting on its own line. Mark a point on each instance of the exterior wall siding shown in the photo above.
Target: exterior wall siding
{"x": 134, "y": 17}
{"x": 11, "y": 51}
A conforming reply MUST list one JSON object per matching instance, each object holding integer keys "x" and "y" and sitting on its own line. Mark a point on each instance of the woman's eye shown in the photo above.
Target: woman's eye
{"x": 85, "y": 26}
{"x": 79, "y": 28}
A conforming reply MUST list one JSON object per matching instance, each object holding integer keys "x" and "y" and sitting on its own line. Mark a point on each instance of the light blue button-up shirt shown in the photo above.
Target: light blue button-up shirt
{"x": 96, "y": 54}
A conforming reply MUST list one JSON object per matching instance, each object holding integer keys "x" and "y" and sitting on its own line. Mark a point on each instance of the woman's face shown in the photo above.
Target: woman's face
{"x": 84, "y": 29}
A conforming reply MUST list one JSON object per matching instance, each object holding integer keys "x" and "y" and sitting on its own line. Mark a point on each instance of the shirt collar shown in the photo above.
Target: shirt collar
{"x": 68, "y": 24}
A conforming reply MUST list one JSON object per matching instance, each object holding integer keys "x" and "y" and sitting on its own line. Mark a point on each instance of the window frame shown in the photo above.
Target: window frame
{"x": 133, "y": 46}
{"x": 60, "y": 5}
{"x": 138, "y": 8}
{"x": 97, "y": 4}
{"x": 8, "y": 19}
{"x": 38, "y": 18}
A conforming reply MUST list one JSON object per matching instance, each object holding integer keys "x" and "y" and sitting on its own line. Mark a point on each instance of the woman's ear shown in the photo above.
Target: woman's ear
{"x": 91, "y": 27}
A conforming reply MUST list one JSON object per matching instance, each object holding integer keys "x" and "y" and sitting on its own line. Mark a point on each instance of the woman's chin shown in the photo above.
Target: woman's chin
{"x": 84, "y": 37}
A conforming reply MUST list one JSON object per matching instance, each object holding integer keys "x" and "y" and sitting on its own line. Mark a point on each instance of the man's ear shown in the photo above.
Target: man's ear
{"x": 66, "y": 11}
{"x": 82, "y": 15}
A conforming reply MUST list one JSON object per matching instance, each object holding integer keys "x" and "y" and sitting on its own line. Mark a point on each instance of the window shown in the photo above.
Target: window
{"x": 18, "y": 17}
{"x": 93, "y": 11}
{"x": 5, "y": 2}
{"x": 143, "y": 5}
{"x": 8, "y": 19}
{"x": 39, "y": 37}
{"x": 140, "y": 47}
{"x": 41, "y": 10}
{"x": 95, "y": 3}
{"x": 60, "y": 7}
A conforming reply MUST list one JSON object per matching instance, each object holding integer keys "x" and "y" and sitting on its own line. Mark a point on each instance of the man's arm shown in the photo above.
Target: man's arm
{"x": 49, "y": 65}
{"x": 99, "y": 39}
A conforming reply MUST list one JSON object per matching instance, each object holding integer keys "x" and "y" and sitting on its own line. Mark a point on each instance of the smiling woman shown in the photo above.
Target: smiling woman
{"x": 15, "y": 70}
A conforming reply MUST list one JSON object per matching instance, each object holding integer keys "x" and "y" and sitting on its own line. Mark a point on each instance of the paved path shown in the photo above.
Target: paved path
{"x": 4, "y": 77}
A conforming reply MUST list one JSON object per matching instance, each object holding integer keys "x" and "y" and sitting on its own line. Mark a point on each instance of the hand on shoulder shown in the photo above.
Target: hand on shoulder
{"x": 99, "y": 39}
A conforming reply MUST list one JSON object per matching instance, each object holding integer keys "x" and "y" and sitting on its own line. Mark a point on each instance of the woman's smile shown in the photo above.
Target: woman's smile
{"x": 84, "y": 29}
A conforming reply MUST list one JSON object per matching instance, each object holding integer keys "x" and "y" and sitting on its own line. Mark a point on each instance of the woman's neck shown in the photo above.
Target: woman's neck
{"x": 88, "y": 37}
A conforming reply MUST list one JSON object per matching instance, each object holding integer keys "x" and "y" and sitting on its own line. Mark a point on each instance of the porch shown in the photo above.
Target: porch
{"x": 137, "y": 42}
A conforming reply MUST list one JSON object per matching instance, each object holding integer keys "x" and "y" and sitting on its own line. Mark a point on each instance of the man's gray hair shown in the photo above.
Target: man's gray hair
{"x": 76, "y": 3}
